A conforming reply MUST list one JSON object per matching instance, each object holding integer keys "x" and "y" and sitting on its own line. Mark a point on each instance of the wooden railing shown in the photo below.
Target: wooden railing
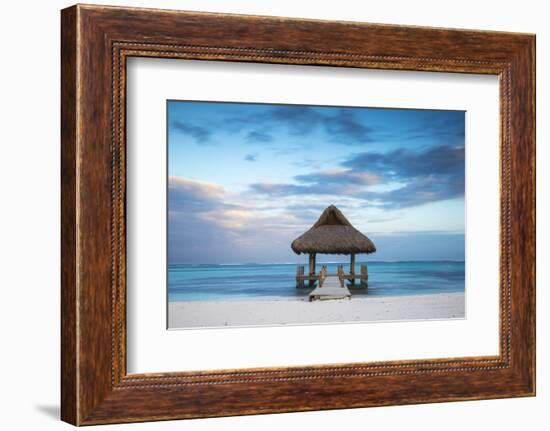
{"x": 323, "y": 275}
{"x": 364, "y": 276}
{"x": 301, "y": 277}
{"x": 341, "y": 275}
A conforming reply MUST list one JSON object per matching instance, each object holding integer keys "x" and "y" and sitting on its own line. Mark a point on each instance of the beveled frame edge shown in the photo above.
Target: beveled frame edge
{"x": 96, "y": 41}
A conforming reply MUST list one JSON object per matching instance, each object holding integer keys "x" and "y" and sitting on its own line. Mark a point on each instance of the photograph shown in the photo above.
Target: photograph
{"x": 282, "y": 214}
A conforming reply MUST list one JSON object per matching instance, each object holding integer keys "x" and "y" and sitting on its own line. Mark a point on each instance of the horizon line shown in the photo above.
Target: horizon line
{"x": 318, "y": 263}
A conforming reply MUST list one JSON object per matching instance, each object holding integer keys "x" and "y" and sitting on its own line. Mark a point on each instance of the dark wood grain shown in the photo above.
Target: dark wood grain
{"x": 68, "y": 218}
{"x": 96, "y": 41}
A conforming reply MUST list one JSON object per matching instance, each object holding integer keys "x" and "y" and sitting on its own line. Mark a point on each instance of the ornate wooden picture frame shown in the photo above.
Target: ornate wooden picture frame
{"x": 96, "y": 41}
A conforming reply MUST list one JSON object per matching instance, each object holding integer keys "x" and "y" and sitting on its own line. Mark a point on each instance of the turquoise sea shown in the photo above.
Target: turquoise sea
{"x": 218, "y": 282}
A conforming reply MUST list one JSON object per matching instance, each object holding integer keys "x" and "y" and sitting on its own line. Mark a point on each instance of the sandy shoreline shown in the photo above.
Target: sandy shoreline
{"x": 195, "y": 314}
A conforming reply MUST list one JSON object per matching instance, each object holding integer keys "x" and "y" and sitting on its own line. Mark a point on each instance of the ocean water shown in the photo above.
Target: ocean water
{"x": 212, "y": 282}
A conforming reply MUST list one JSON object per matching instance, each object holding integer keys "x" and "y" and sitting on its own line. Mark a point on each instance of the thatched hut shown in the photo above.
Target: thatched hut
{"x": 332, "y": 234}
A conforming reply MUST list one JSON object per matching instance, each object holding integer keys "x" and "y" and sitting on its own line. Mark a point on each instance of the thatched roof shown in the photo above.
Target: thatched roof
{"x": 332, "y": 234}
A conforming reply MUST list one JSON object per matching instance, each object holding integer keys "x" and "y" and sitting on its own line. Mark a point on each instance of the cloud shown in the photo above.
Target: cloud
{"x": 431, "y": 188}
{"x": 324, "y": 189}
{"x": 260, "y": 124}
{"x": 337, "y": 125}
{"x": 340, "y": 125}
{"x": 199, "y": 133}
{"x": 299, "y": 120}
{"x": 252, "y": 157}
{"x": 191, "y": 195}
{"x": 279, "y": 189}
{"x": 205, "y": 225}
{"x": 188, "y": 230}
{"x": 208, "y": 225}
{"x": 431, "y": 175}
{"x": 407, "y": 164}
{"x": 344, "y": 128}
{"x": 257, "y": 136}
{"x": 448, "y": 127}
{"x": 340, "y": 176}
{"x": 283, "y": 190}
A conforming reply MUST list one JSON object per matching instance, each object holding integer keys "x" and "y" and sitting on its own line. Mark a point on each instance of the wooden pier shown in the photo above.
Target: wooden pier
{"x": 332, "y": 287}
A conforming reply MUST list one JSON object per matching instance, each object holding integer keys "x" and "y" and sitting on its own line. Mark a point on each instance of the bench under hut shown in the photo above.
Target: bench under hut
{"x": 332, "y": 234}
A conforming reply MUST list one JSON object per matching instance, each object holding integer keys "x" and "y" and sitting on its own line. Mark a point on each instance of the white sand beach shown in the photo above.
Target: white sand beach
{"x": 194, "y": 314}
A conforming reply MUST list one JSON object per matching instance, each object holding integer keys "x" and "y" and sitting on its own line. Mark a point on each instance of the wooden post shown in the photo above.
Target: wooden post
{"x": 311, "y": 268}
{"x": 341, "y": 274}
{"x": 352, "y": 267}
{"x": 300, "y": 273}
{"x": 322, "y": 275}
{"x": 364, "y": 276}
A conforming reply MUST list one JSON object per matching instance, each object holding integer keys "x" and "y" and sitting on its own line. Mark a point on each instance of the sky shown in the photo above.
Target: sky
{"x": 244, "y": 180}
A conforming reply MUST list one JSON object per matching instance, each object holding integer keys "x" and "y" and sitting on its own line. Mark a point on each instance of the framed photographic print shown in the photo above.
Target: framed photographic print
{"x": 267, "y": 215}
{"x": 220, "y": 219}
